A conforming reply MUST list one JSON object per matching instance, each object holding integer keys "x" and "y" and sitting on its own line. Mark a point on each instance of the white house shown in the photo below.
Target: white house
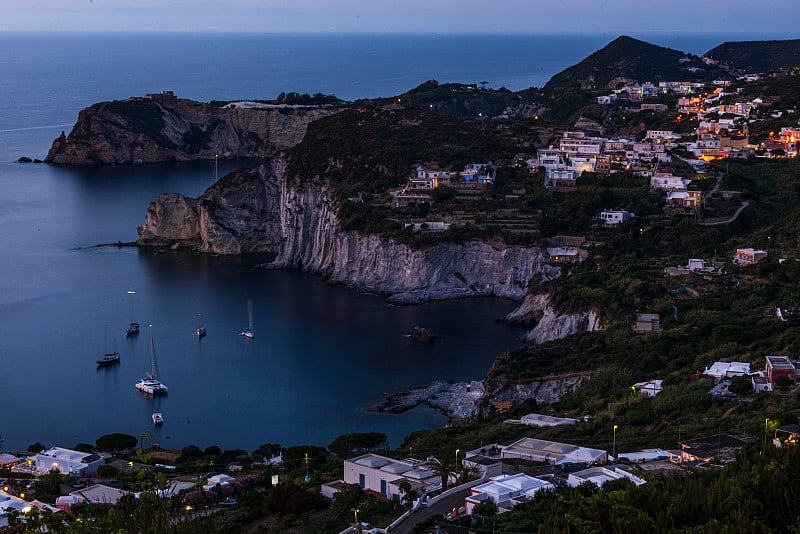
{"x": 218, "y": 480}
{"x": 649, "y": 389}
{"x": 614, "y": 217}
{"x": 540, "y": 450}
{"x": 506, "y": 491}
{"x": 11, "y": 503}
{"x": 99, "y": 494}
{"x": 65, "y": 461}
{"x": 668, "y": 182}
{"x": 659, "y": 136}
{"x": 720, "y": 370}
{"x": 601, "y": 475}
{"x": 383, "y": 476}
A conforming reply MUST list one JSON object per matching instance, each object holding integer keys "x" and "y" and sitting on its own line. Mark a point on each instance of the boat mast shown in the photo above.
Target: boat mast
{"x": 153, "y": 361}
{"x": 250, "y": 312}
{"x": 130, "y": 306}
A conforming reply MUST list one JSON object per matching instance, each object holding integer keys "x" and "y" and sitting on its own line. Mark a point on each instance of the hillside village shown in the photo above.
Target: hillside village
{"x": 712, "y": 122}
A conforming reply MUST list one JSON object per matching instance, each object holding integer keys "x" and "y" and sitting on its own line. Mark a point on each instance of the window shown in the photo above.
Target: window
{"x": 383, "y": 487}
{"x": 361, "y": 481}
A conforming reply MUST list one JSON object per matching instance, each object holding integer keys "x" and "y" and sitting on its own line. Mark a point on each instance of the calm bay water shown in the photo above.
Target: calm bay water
{"x": 321, "y": 354}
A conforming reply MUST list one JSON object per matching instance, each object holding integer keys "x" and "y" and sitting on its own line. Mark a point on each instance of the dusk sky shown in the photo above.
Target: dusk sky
{"x": 778, "y": 17}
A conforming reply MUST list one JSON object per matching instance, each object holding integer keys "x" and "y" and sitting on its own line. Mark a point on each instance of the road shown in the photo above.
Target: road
{"x": 438, "y": 508}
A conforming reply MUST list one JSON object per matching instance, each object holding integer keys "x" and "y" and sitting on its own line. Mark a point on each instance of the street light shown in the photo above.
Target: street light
{"x": 766, "y": 431}
{"x": 457, "y": 451}
{"x": 355, "y": 511}
{"x": 614, "y": 453}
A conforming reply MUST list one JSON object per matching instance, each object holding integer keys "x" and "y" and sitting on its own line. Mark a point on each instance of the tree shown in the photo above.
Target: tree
{"x": 355, "y": 443}
{"x": 441, "y": 468}
{"x": 268, "y": 450}
{"x": 783, "y": 383}
{"x": 213, "y": 450}
{"x": 741, "y": 385}
{"x": 408, "y": 492}
{"x": 116, "y": 442}
{"x": 36, "y": 447}
{"x": 486, "y": 509}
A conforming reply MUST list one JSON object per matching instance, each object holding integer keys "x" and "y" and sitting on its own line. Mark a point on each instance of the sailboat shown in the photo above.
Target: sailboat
{"x": 151, "y": 384}
{"x": 133, "y": 329}
{"x": 249, "y": 332}
{"x": 201, "y": 330}
{"x": 108, "y": 357}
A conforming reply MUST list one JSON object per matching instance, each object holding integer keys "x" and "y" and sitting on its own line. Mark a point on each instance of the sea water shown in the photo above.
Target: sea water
{"x": 321, "y": 354}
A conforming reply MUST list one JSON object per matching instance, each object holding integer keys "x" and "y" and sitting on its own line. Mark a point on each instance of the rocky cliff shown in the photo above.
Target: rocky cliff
{"x": 550, "y": 323}
{"x": 261, "y": 210}
{"x": 547, "y": 389}
{"x": 145, "y": 130}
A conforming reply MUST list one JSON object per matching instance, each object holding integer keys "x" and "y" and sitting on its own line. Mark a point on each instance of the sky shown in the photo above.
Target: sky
{"x": 778, "y": 17}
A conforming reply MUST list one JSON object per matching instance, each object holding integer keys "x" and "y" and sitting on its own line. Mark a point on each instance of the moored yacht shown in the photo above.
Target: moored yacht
{"x": 151, "y": 384}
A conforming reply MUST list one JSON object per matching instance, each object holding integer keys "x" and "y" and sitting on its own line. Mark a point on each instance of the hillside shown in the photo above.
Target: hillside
{"x": 758, "y": 56}
{"x": 628, "y": 59}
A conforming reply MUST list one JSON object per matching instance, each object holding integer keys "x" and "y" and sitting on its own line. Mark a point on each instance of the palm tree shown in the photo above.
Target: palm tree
{"x": 442, "y": 468}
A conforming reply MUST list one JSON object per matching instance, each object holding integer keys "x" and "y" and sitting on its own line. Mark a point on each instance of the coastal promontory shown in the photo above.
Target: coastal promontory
{"x": 162, "y": 127}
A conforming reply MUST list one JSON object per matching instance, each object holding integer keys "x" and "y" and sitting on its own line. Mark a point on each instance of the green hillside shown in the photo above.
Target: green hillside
{"x": 758, "y": 56}
{"x": 626, "y": 58}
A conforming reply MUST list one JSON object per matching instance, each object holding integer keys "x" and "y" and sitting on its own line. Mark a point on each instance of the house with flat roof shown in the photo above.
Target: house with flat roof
{"x": 614, "y": 217}
{"x": 10, "y": 504}
{"x": 601, "y": 475}
{"x": 7, "y": 460}
{"x": 65, "y": 461}
{"x": 506, "y": 491}
{"x": 720, "y": 370}
{"x": 719, "y": 447}
{"x": 645, "y": 455}
{"x": 779, "y": 366}
{"x": 382, "y": 476}
{"x": 552, "y": 452}
{"x": 748, "y": 256}
{"x": 647, "y": 322}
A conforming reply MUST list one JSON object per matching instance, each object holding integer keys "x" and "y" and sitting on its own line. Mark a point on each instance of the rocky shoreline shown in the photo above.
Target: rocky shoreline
{"x": 456, "y": 400}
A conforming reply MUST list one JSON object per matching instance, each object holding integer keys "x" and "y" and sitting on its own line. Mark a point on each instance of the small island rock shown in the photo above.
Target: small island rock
{"x": 423, "y": 335}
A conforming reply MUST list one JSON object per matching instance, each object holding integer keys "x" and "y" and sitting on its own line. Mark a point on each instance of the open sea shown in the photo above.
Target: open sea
{"x": 321, "y": 354}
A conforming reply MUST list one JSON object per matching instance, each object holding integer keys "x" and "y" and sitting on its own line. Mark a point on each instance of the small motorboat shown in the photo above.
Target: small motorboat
{"x": 158, "y": 419}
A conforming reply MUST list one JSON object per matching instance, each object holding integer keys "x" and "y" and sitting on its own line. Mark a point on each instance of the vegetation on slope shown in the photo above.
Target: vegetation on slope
{"x": 626, "y": 58}
{"x": 758, "y": 56}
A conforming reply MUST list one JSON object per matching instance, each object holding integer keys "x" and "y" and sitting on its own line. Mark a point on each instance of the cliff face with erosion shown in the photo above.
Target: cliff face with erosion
{"x": 547, "y": 389}
{"x": 144, "y": 130}
{"x": 262, "y": 211}
{"x": 550, "y": 323}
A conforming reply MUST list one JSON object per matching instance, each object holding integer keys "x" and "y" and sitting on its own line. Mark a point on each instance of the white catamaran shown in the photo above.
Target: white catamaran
{"x": 151, "y": 383}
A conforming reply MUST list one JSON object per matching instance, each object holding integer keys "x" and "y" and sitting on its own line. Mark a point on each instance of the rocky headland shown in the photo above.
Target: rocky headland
{"x": 263, "y": 210}
{"x": 458, "y": 400}
{"x": 165, "y": 128}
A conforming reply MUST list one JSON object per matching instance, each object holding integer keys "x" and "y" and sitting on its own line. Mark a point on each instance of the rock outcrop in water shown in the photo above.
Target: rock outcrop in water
{"x": 551, "y": 323}
{"x": 261, "y": 210}
{"x": 148, "y": 130}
